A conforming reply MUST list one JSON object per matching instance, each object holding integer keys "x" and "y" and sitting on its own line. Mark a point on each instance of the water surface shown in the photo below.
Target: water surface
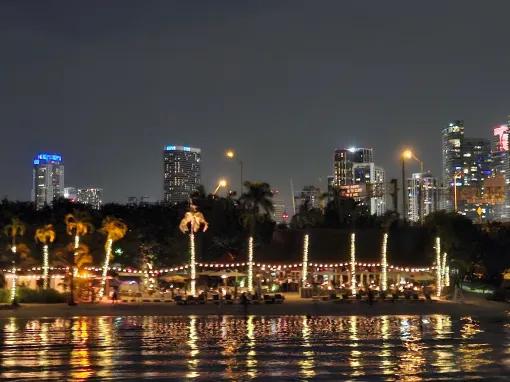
{"x": 385, "y": 348}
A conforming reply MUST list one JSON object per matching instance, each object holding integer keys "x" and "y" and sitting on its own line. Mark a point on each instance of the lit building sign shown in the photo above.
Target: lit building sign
{"x": 502, "y": 133}
{"x": 47, "y": 157}
{"x": 353, "y": 191}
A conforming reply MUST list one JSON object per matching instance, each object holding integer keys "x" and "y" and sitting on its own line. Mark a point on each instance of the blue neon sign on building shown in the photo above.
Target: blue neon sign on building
{"x": 47, "y": 157}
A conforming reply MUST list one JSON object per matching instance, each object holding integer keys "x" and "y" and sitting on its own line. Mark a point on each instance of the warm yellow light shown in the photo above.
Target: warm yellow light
{"x": 230, "y": 154}
{"x": 407, "y": 154}
{"x": 222, "y": 183}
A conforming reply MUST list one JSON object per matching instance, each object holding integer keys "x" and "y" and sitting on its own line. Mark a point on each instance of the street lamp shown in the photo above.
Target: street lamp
{"x": 222, "y": 183}
{"x": 231, "y": 154}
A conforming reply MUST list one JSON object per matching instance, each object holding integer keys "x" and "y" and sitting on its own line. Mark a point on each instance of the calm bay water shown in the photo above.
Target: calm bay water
{"x": 385, "y": 348}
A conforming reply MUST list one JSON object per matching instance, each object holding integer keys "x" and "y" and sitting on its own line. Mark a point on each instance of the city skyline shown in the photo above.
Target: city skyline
{"x": 111, "y": 105}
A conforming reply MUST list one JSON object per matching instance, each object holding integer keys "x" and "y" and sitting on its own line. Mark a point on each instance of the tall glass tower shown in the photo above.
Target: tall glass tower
{"x": 48, "y": 179}
{"x": 181, "y": 172}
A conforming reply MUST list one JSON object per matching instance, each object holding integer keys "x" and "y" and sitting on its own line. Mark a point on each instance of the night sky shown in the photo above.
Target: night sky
{"x": 109, "y": 83}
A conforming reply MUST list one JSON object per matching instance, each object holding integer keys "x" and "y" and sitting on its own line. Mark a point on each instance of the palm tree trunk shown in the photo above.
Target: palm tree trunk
{"x": 14, "y": 301}
{"x": 105, "y": 267}
{"x": 73, "y": 270}
{"x": 250, "y": 264}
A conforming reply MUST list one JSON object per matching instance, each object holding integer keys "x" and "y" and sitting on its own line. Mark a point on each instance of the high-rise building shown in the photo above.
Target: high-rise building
{"x": 452, "y": 139}
{"x": 310, "y": 195}
{"x": 345, "y": 159}
{"x": 48, "y": 179}
{"x": 423, "y": 195}
{"x": 501, "y": 168}
{"x": 356, "y": 176}
{"x": 181, "y": 166}
{"x": 280, "y": 215}
{"x": 91, "y": 196}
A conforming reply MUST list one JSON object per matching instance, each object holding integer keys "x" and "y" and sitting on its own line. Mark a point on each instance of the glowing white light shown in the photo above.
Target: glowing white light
{"x": 443, "y": 270}
{"x": 105, "y": 267}
{"x": 192, "y": 264}
{"x": 353, "y": 264}
{"x": 305, "y": 260}
{"x": 447, "y": 276}
{"x": 438, "y": 266}
{"x": 76, "y": 245}
{"x": 45, "y": 266}
{"x": 352, "y": 149}
{"x": 384, "y": 264}
{"x": 250, "y": 264}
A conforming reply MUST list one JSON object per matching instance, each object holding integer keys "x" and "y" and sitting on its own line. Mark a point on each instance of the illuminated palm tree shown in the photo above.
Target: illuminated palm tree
{"x": 192, "y": 221}
{"x": 77, "y": 225}
{"x": 13, "y": 230}
{"x": 45, "y": 235}
{"x": 114, "y": 229}
{"x": 256, "y": 204}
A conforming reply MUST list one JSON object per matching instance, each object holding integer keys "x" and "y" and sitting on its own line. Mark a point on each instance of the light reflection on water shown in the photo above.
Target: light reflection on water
{"x": 386, "y": 348}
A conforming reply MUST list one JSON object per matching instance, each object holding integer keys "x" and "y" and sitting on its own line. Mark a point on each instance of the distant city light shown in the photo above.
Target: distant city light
{"x": 352, "y": 149}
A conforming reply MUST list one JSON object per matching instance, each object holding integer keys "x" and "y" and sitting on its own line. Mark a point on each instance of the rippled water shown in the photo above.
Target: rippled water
{"x": 385, "y": 348}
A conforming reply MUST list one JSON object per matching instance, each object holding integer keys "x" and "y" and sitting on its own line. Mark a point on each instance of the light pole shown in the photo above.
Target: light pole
{"x": 230, "y": 154}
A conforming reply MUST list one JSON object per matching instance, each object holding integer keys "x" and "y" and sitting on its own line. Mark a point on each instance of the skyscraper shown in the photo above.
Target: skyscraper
{"x": 452, "y": 139}
{"x": 91, "y": 196}
{"x": 181, "y": 166}
{"x": 48, "y": 179}
{"x": 430, "y": 195}
{"x": 356, "y": 176}
{"x": 310, "y": 195}
{"x": 501, "y": 168}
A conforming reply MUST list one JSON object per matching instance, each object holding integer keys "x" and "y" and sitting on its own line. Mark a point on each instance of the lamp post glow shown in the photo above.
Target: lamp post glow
{"x": 438, "y": 266}
{"x": 192, "y": 221}
{"x": 384, "y": 264}
{"x": 222, "y": 183}
{"x": 305, "y": 261}
{"x": 230, "y": 154}
{"x": 353, "y": 264}
{"x": 250, "y": 264}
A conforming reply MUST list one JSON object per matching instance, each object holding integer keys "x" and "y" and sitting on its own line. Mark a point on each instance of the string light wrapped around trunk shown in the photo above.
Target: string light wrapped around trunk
{"x": 305, "y": 260}
{"x": 438, "y": 266}
{"x": 192, "y": 263}
{"x": 14, "y": 277}
{"x": 384, "y": 264}
{"x": 105, "y": 267}
{"x": 45, "y": 266}
{"x": 250, "y": 264}
{"x": 353, "y": 264}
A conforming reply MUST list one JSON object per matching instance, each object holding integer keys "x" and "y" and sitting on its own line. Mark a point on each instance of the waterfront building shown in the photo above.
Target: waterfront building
{"x": 48, "y": 179}
{"x": 181, "y": 172}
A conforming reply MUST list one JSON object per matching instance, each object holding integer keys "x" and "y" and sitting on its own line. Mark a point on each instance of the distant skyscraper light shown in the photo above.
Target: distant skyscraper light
{"x": 181, "y": 172}
{"x": 48, "y": 179}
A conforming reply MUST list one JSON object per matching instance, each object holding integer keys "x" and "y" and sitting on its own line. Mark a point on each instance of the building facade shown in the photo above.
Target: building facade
{"x": 357, "y": 176}
{"x": 181, "y": 172}
{"x": 501, "y": 168}
{"x": 424, "y": 195}
{"x": 89, "y": 196}
{"x": 452, "y": 139}
{"x": 309, "y": 195}
{"x": 48, "y": 179}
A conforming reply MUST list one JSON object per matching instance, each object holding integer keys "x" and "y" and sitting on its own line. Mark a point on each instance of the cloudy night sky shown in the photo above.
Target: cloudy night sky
{"x": 108, "y": 83}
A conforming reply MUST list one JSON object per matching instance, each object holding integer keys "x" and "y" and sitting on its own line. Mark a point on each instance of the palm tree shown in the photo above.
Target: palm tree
{"x": 13, "y": 230}
{"x": 192, "y": 221}
{"x": 114, "y": 229}
{"x": 77, "y": 225}
{"x": 256, "y": 203}
{"x": 73, "y": 258}
{"x": 45, "y": 235}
